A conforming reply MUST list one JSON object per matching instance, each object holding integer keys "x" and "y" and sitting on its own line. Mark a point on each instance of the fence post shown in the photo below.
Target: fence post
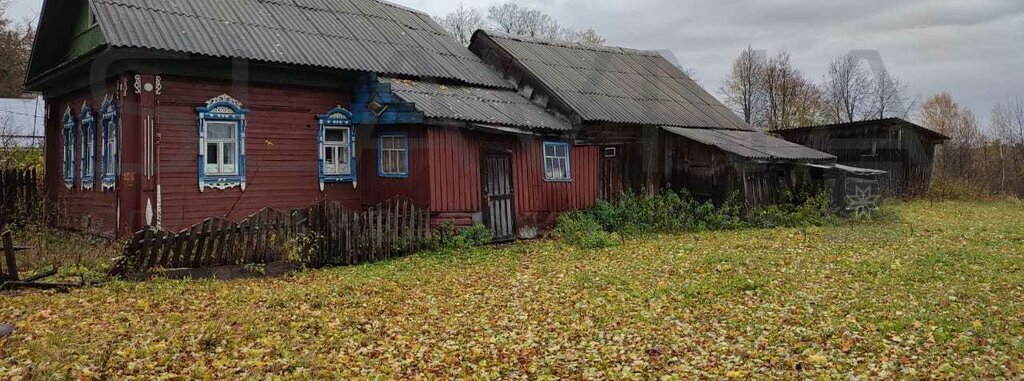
{"x": 12, "y": 266}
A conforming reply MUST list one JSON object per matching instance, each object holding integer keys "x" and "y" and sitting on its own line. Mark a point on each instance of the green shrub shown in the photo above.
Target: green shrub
{"x": 446, "y": 236}
{"x": 670, "y": 212}
{"x": 583, "y": 230}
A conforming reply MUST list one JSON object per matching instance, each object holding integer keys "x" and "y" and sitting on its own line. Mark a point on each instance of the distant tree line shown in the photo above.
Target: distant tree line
{"x": 770, "y": 94}
{"x": 513, "y": 19}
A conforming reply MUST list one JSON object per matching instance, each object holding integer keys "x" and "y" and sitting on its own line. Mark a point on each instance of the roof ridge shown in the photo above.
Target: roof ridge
{"x": 121, "y": 3}
{"x": 570, "y": 44}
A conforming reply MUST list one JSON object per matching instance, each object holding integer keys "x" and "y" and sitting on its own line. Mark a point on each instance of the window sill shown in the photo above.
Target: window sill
{"x": 405, "y": 176}
{"x": 558, "y": 180}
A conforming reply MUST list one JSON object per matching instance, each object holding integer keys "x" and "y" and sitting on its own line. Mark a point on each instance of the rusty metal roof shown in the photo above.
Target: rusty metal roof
{"x": 751, "y": 144}
{"x": 364, "y": 35}
{"x": 475, "y": 104}
{"x": 610, "y": 84}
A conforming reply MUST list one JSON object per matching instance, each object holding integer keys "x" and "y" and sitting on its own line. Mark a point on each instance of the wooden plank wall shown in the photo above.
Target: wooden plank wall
{"x": 91, "y": 210}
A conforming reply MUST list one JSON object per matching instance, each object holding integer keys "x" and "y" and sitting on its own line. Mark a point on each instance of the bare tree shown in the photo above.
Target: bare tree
{"x": 515, "y": 19}
{"x": 15, "y": 49}
{"x": 1008, "y": 126}
{"x": 957, "y": 158}
{"x": 782, "y": 84}
{"x": 887, "y": 95}
{"x": 463, "y": 22}
{"x": 589, "y": 36}
{"x": 847, "y": 89}
{"x": 744, "y": 88}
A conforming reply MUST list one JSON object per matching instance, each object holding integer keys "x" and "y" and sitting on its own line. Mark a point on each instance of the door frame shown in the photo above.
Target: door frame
{"x": 484, "y": 207}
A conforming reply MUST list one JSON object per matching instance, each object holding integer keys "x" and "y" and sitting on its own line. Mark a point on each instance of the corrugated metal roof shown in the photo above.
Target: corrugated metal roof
{"x": 751, "y": 144}
{"x": 897, "y": 122}
{"x": 364, "y": 35}
{"x": 619, "y": 85}
{"x": 475, "y": 104}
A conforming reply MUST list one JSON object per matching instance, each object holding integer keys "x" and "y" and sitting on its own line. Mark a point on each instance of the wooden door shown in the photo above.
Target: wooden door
{"x": 611, "y": 173}
{"x": 499, "y": 195}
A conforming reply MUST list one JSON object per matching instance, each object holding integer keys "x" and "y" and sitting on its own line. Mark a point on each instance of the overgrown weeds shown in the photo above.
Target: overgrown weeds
{"x": 673, "y": 212}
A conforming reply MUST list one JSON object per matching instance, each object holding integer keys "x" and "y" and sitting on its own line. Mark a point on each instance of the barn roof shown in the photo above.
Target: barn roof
{"x": 619, "y": 85}
{"x": 475, "y": 104}
{"x": 751, "y": 144}
{"x": 363, "y": 35}
{"x": 886, "y": 122}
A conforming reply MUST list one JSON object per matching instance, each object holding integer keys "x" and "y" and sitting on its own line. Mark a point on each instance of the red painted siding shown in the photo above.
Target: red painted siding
{"x": 455, "y": 177}
{"x": 281, "y": 151}
{"x": 376, "y": 189}
{"x": 91, "y": 210}
{"x": 454, "y": 170}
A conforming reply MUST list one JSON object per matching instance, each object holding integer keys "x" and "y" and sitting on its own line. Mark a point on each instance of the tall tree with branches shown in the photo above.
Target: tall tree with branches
{"x": 15, "y": 50}
{"x": 848, "y": 89}
{"x": 743, "y": 90}
{"x": 957, "y": 157}
{"x": 887, "y": 95}
{"x": 463, "y": 22}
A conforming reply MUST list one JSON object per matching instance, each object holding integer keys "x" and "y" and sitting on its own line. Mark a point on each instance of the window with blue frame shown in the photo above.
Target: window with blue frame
{"x": 110, "y": 120}
{"x": 336, "y": 142}
{"x": 69, "y": 148}
{"x": 88, "y": 134}
{"x": 393, "y": 155}
{"x": 222, "y": 144}
{"x": 556, "y": 162}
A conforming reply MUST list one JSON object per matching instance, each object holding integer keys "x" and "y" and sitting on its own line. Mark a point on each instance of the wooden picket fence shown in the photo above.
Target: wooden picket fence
{"x": 18, "y": 195}
{"x": 320, "y": 235}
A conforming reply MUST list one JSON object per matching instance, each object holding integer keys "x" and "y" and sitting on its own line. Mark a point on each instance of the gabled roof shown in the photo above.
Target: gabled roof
{"x": 751, "y": 144}
{"x": 609, "y": 84}
{"x": 476, "y": 105}
{"x": 363, "y": 35}
{"x": 886, "y": 122}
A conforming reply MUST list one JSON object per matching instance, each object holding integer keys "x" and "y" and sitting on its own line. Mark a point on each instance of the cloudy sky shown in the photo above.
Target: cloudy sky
{"x": 972, "y": 48}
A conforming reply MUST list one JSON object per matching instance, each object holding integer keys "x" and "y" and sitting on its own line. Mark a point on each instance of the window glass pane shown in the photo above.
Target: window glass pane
{"x": 560, "y": 150}
{"x": 229, "y": 153}
{"x": 329, "y": 155}
{"x": 220, "y": 131}
{"x": 343, "y": 156}
{"x": 336, "y": 135}
{"x": 549, "y": 150}
{"x": 212, "y": 153}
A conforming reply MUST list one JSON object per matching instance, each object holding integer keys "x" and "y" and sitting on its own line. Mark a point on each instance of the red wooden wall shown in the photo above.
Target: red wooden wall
{"x": 281, "y": 151}
{"x": 455, "y": 177}
{"x": 92, "y": 210}
{"x": 376, "y": 189}
{"x": 539, "y": 202}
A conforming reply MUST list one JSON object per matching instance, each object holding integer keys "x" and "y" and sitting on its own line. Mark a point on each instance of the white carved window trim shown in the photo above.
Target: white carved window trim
{"x": 222, "y": 109}
{"x": 88, "y": 153}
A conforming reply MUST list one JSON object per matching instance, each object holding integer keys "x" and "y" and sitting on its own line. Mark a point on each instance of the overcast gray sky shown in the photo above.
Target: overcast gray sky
{"x": 972, "y": 48}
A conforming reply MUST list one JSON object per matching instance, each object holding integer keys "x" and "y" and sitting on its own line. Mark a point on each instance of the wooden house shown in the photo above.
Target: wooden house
{"x": 655, "y": 127}
{"x": 164, "y": 113}
{"x": 904, "y": 150}
{"x": 168, "y": 112}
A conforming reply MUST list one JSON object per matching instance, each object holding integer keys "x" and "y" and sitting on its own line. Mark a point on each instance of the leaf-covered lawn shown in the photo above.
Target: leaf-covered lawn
{"x": 940, "y": 293}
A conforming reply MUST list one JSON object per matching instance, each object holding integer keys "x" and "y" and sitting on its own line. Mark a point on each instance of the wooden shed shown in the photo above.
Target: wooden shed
{"x": 656, "y": 128}
{"x": 904, "y": 150}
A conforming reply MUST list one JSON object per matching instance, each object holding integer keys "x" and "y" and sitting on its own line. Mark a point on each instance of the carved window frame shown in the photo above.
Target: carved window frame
{"x": 110, "y": 121}
{"x": 88, "y": 146}
{"x": 337, "y": 118}
{"x": 222, "y": 109}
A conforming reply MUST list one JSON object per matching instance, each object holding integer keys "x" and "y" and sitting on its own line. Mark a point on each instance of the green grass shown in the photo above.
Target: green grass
{"x": 935, "y": 294}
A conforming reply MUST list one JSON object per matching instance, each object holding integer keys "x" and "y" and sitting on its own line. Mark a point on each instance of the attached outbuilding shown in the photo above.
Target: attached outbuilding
{"x": 904, "y": 150}
{"x": 656, "y": 128}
